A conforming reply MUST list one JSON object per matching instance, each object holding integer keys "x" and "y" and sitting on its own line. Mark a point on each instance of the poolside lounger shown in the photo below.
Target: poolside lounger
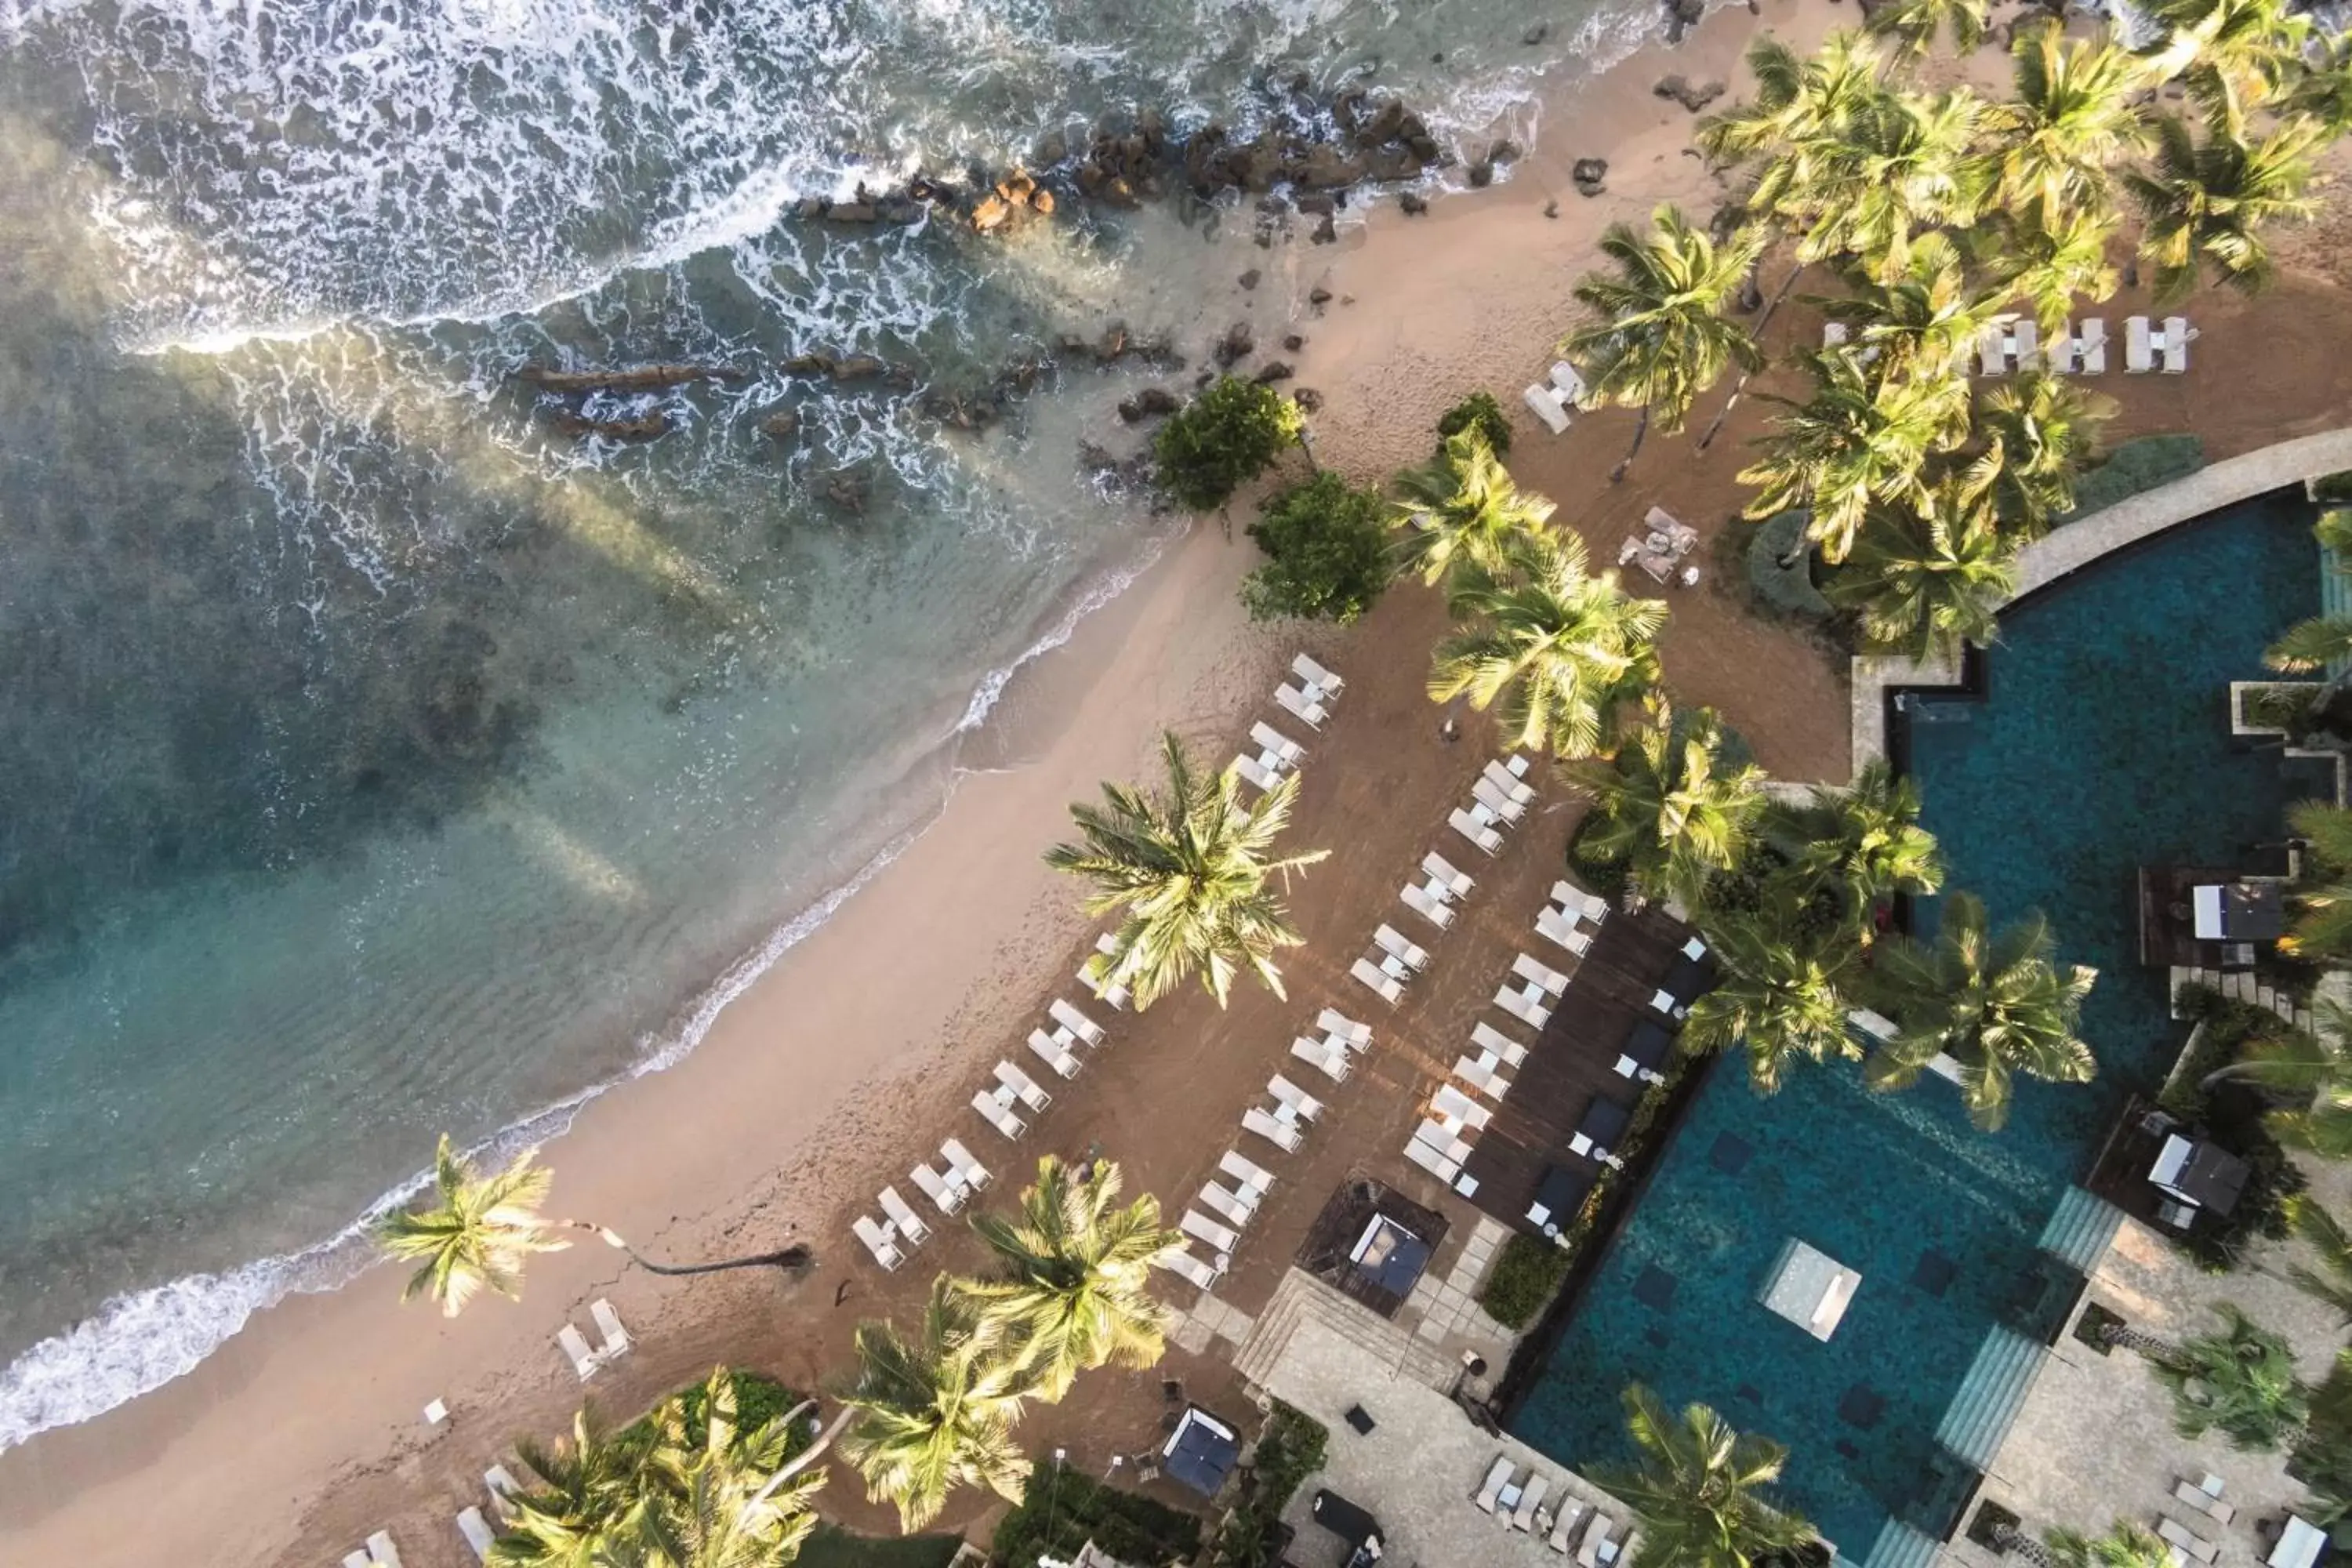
{"x": 1510, "y": 783}
{"x": 1506, "y": 1502}
{"x": 1301, "y": 705}
{"x": 1307, "y": 669}
{"x": 502, "y": 1486}
{"x": 1370, "y": 974}
{"x": 2187, "y": 1539}
{"x": 1487, "y": 1037}
{"x": 1556, "y": 928}
{"x": 1453, "y": 1103}
{"x": 1530, "y": 1501}
{"x": 1992, "y": 351}
{"x": 949, "y": 1195}
{"x": 1393, "y": 942}
{"x": 2024, "y": 343}
{"x": 1022, "y": 1084}
{"x": 1522, "y": 1006}
{"x": 1273, "y": 739}
{"x": 1596, "y": 1537}
{"x": 476, "y": 1531}
{"x": 1662, "y": 1001}
{"x": 996, "y": 1105}
{"x": 1077, "y": 1023}
{"x": 2197, "y": 1498}
{"x": 1567, "y": 383}
{"x": 878, "y": 1242}
{"x": 1200, "y": 1228}
{"x": 974, "y": 1173}
{"x": 1878, "y": 1025}
{"x": 1430, "y": 1160}
{"x": 1179, "y": 1261}
{"x": 381, "y": 1550}
{"x": 2138, "y": 349}
{"x": 1480, "y": 1076}
{"x": 1295, "y": 1097}
{"x": 1563, "y": 1528}
{"x": 2090, "y": 343}
{"x": 1332, "y": 1063}
{"x": 1536, "y": 973}
{"x": 359, "y": 1559}
{"x": 2172, "y": 355}
{"x": 1834, "y": 334}
{"x": 1587, "y": 906}
{"x": 1548, "y": 405}
{"x": 1053, "y": 1053}
{"x": 584, "y": 1360}
{"x": 907, "y": 1223}
{"x": 1252, "y": 771}
{"x": 1107, "y": 946}
{"x": 1280, "y": 1134}
{"x": 1495, "y": 801}
{"x": 1458, "y": 883}
{"x": 1347, "y": 1028}
{"x": 2064, "y": 353}
{"x": 1426, "y": 907}
{"x": 1227, "y": 1204}
{"x": 1451, "y": 1145}
{"x": 1497, "y": 1474}
{"x": 1256, "y": 1179}
{"x": 1477, "y": 832}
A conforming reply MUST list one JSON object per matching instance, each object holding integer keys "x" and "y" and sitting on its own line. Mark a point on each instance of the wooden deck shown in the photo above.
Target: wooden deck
{"x": 1574, "y": 1062}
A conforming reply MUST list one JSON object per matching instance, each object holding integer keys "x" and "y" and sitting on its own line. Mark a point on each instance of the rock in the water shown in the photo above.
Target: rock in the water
{"x": 645, "y": 378}
{"x": 1412, "y": 202}
{"x": 1156, "y": 400}
{"x": 1325, "y": 167}
{"x": 1274, "y": 370}
{"x": 1384, "y": 125}
{"x": 1551, "y": 208}
{"x": 993, "y": 214}
{"x": 1590, "y": 173}
{"x": 1293, "y": 343}
{"x": 1693, "y": 97}
{"x": 859, "y": 367}
{"x": 1308, "y": 399}
{"x": 645, "y": 427}
{"x": 1482, "y": 175}
{"x": 1318, "y": 295}
{"x": 1503, "y": 150}
{"x": 1130, "y": 410}
{"x": 1682, "y": 14}
{"x": 1112, "y": 343}
{"x": 847, "y": 490}
{"x": 1316, "y": 203}
{"x": 1041, "y": 202}
{"x": 1535, "y": 34}
{"x": 1052, "y": 149}
{"x": 1324, "y": 232}
{"x": 778, "y": 426}
{"x": 810, "y": 364}
{"x": 1236, "y": 345}
{"x": 1119, "y": 193}
{"x": 1249, "y": 280}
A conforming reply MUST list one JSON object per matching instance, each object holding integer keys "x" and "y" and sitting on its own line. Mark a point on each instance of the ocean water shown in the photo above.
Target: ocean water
{"x": 375, "y": 760}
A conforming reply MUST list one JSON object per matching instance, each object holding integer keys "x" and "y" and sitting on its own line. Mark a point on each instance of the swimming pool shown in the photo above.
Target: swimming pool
{"x": 2101, "y": 741}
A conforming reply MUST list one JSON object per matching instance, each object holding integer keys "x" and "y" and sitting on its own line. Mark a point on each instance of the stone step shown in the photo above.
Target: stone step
{"x": 1900, "y": 1546}
{"x": 1990, "y": 1396}
{"x": 2081, "y": 1230}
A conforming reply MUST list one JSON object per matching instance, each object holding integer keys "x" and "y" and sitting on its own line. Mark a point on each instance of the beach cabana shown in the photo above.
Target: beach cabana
{"x": 1201, "y": 1452}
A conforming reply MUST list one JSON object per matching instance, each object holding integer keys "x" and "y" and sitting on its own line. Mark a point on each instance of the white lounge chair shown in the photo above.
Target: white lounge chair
{"x": 1506, "y": 1502}
{"x": 1547, "y": 405}
{"x": 1523, "y": 1007}
{"x": 2172, "y": 356}
{"x": 1566, "y": 381}
{"x": 1300, "y": 705}
{"x": 1307, "y": 669}
{"x": 1077, "y": 1023}
{"x": 1182, "y": 1263}
{"x": 1663, "y": 1002}
{"x": 1053, "y": 1053}
{"x": 381, "y": 1550}
{"x": 1357, "y": 1035}
{"x": 1430, "y": 1160}
{"x": 1457, "y": 883}
{"x": 1280, "y": 1134}
{"x": 1022, "y": 1084}
{"x": 1477, "y": 832}
{"x": 476, "y": 1531}
{"x": 903, "y": 1219}
{"x": 359, "y": 1559}
{"x": 503, "y": 1487}
{"x": 1443, "y": 1140}
{"x": 1487, "y": 1037}
{"x": 1480, "y": 1075}
{"x": 1992, "y": 351}
{"x": 1510, "y": 783}
{"x": 1453, "y": 1105}
{"x": 1252, "y": 771}
{"x": 1273, "y": 739}
{"x": 1497, "y": 1474}
{"x": 2139, "y": 350}
{"x": 1107, "y": 946}
{"x": 1834, "y": 334}
{"x": 2024, "y": 344}
{"x": 1559, "y": 928}
{"x": 1495, "y": 801}
{"x": 573, "y": 1343}
{"x": 1595, "y": 1537}
{"x": 1394, "y": 943}
{"x": 1426, "y": 907}
{"x": 996, "y": 1106}
{"x": 1330, "y": 1062}
{"x": 877, "y": 1241}
{"x": 949, "y": 1195}
{"x": 1563, "y": 1528}
{"x": 1231, "y": 1205}
{"x": 1389, "y": 991}
{"x": 1295, "y": 1097}
{"x": 1255, "y": 1179}
{"x": 1530, "y": 1501}
{"x": 1574, "y": 899}
{"x": 1536, "y": 973}
{"x": 1200, "y": 1228}
{"x": 974, "y": 1175}
{"x": 2090, "y": 346}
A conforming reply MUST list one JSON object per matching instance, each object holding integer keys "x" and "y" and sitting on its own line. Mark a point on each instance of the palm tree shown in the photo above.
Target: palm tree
{"x": 2325, "y": 1235}
{"x": 1865, "y": 841}
{"x": 1662, "y": 338}
{"x": 1801, "y": 100}
{"x": 1995, "y": 1004}
{"x": 1914, "y": 24}
{"x": 1698, "y": 1490}
{"x": 2039, "y": 433}
{"x": 2051, "y": 261}
{"x": 2126, "y": 1545}
{"x": 591, "y": 1498}
{"x": 1782, "y": 996}
{"x": 2323, "y": 926}
{"x": 1189, "y": 869}
{"x": 2234, "y": 55}
{"x": 1669, "y": 805}
{"x": 937, "y": 1413}
{"x": 2239, "y": 1381}
{"x": 1075, "y": 1270}
{"x": 476, "y": 1232}
{"x": 1926, "y": 580}
{"x": 1553, "y": 647}
{"x": 2311, "y": 644}
{"x": 1902, "y": 163}
{"x": 2206, "y": 204}
{"x": 2322, "y": 93}
{"x": 1854, "y": 442}
{"x": 1463, "y": 507}
{"x": 736, "y": 1499}
{"x": 2068, "y": 120}
{"x": 1924, "y": 320}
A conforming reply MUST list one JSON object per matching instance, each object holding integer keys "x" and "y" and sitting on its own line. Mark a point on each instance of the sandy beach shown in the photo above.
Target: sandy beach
{"x": 857, "y": 1053}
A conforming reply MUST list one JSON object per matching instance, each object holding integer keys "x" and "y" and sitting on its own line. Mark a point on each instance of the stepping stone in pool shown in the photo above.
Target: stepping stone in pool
{"x": 1935, "y": 1273}
{"x": 1862, "y": 1406}
{"x": 1655, "y": 1288}
{"x": 1658, "y": 1337}
{"x": 1846, "y": 1449}
{"x": 1748, "y": 1392}
{"x": 1730, "y": 1154}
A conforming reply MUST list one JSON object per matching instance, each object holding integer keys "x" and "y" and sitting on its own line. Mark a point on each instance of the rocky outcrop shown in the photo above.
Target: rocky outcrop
{"x": 1151, "y": 402}
{"x": 780, "y": 426}
{"x": 1309, "y": 400}
{"x": 1590, "y": 176}
{"x": 1693, "y": 97}
{"x": 643, "y": 378}
{"x": 1681, "y": 15}
{"x": 644, "y": 427}
{"x": 1238, "y": 344}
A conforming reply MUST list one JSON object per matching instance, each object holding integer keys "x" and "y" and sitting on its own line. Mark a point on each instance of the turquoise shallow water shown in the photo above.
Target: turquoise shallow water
{"x": 2102, "y": 743}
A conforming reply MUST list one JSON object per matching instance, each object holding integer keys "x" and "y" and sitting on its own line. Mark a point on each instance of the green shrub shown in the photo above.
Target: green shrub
{"x": 1326, "y": 551}
{"x": 1221, "y": 441}
{"x": 1526, "y": 1274}
{"x": 2232, "y": 1114}
{"x": 1607, "y": 877}
{"x": 1290, "y": 1450}
{"x": 2332, "y": 490}
{"x": 2139, "y": 464}
{"x": 1479, "y": 409}
{"x": 1784, "y": 590}
{"x": 759, "y": 1399}
{"x": 1063, "y": 1509}
{"x": 834, "y": 1547}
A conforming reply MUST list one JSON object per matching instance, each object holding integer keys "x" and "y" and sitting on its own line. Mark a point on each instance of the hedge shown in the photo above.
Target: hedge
{"x": 2139, "y": 464}
{"x": 834, "y": 1547}
{"x": 1479, "y": 409}
{"x": 1290, "y": 1450}
{"x": 1785, "y": 590}
{"x": 1063, "y": 1509}
{"x": 1526, "y": 1274}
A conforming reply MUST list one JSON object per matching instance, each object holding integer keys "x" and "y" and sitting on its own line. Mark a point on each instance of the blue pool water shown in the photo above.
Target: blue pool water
{"x": 2102, "y": 743}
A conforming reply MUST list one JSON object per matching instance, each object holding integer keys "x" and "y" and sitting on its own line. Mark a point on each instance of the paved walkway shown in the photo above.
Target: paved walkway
{"x": 2077, "y": 544}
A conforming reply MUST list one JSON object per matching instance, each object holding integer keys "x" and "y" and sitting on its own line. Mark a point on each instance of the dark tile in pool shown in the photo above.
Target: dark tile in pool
{"x": 1847, "y": 1449}
{"x": 1658, "y": 1337}
{"x": 1654, "y": 1289}
{"x": 1749, "y": 1393}
{"x": 1935, "y": 1273}
{"x": 1862, "y": 1405}
{"x": 1730, "y": 1154}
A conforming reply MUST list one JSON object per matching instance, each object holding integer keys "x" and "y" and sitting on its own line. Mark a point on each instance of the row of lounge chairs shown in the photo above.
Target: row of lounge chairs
{"x": 2080, "y": 350}
{"x": 1552, "y": 401}
{"x": 950, "y": 1187}
{"x": 1498, "y": 799}
{"x": 1309, "y": 700}
{"x": 587, "y": 1360}
{"x": 1514, "y": 1497}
